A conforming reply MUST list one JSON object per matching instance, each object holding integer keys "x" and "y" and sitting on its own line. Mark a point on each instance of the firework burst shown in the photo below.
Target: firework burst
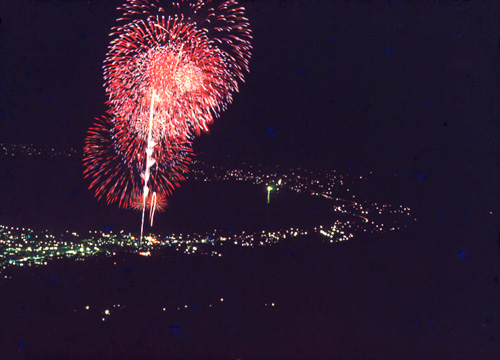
{"x": 191, "y": 54}
{"x": 171, "y": 68}
{"x": 113, "y": 162}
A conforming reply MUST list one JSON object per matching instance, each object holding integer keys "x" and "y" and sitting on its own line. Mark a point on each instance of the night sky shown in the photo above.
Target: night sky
{"x": 405, "y": 89}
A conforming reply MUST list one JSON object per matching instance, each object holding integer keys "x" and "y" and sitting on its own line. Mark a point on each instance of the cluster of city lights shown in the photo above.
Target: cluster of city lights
{"x": 22, "y": 246}
{"x": 18, "y": 150}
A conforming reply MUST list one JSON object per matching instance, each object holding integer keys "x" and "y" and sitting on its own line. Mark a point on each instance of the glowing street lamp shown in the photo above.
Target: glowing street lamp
{"x": 269, "y": 188}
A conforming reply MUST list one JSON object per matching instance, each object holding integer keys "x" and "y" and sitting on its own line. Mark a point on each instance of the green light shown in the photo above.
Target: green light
{"x": 269, "y": 188}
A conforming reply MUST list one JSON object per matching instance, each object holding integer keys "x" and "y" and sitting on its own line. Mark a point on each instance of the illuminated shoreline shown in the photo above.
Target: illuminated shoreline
{"x": 26, "y": 247}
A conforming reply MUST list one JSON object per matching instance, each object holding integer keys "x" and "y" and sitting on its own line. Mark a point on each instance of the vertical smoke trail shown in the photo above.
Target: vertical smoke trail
{"x": 150, "y": 161}
{"x": 182, "y": 60}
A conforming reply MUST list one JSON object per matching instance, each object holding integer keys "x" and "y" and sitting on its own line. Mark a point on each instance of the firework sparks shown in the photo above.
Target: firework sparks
{"x": 189, "y": 54}
{"x": 170, "y": 70}
{"x": 113, "y": 163}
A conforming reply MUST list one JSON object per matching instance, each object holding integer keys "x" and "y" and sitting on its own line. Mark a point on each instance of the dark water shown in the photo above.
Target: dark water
{"x": 51, "y": 194}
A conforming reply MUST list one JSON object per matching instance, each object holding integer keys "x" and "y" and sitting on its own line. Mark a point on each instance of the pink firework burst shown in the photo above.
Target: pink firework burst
{"x": 113, "y": 164}
{"x": 190, "y": 54}
{"x": 171, "y": 68}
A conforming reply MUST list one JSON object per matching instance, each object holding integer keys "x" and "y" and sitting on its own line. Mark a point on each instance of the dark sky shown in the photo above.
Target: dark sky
{"x": 331, "y": 82}
{"x": 398, "y": 87}
{"x": 409, "y": 88}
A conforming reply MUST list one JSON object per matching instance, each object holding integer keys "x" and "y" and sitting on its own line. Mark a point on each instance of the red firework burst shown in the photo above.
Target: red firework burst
{"x": 170, "y": 69}
{"x": 113, "y": 164}
{"x": 190, "y": 54}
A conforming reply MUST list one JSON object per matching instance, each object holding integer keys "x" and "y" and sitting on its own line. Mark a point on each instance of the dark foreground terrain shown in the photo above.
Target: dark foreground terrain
{"x": 427, "y": 292}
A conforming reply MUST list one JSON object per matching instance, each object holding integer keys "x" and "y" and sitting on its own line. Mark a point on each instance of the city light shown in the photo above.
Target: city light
{"x": 22, "y": 246}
